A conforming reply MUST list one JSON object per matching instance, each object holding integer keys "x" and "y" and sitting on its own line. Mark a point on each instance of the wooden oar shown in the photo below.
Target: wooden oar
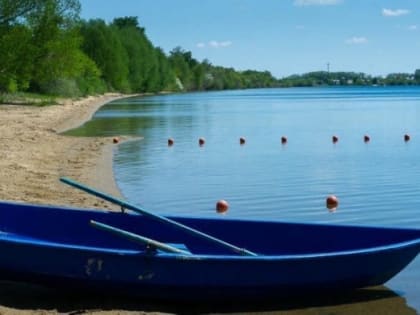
{"x": 124, "y": 204}
{"x": 138, "y": 238}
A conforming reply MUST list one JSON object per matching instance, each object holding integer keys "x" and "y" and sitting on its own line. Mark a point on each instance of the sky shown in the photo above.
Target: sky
{"x": 285, "y": 37}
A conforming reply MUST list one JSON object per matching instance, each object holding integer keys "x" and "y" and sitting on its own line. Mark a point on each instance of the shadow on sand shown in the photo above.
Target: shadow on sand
{"x": 377, "y": 300}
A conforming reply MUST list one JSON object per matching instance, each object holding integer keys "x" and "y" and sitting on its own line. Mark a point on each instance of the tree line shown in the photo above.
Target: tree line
{"x": 325, "y": 78}
{"x": 45, "y": 47}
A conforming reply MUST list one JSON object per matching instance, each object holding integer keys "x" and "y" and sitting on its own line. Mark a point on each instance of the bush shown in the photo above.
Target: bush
{"x": 12, "y": 86}
{"x": 61, "y": 87}
{"x": 90, "y": 86}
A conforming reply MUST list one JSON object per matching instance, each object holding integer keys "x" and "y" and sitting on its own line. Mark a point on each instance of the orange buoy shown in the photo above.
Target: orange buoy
{"x": 170, "y": 142}
{"x": 283, "y": 140}
{"x": 242, "y": 140}
{"x": 334, "y": 139}
{"x": 406, "y": 137}
{"x": 366, "y": 138}
{"x": 332, "y": 202}
{"x": 201, "y": 141}
{"x": 222, "y": 206}
{"x": 116, "y": 140}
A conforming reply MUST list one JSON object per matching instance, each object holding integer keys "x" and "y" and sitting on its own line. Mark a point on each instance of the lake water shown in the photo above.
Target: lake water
{"x": 377, "y": 182}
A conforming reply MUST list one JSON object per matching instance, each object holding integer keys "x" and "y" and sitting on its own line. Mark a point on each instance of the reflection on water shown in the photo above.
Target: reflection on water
{"x": 264, "y": 179}
{"x": 376, "y": 181}
{"x": 377, "y": 300}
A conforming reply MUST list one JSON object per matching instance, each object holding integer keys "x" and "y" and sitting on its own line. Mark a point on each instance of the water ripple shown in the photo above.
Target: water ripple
{"x": 376, "y": 182}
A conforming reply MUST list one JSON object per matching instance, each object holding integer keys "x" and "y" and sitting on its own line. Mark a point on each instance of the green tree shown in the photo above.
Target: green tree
{"x": 399, "y": 79}
{"x": 16, "y": 62}
{"x": 198, "y": 72}
{"x": 103, "y": 45}
{"x": 165, "y": 73}
{"x": 180, "y": 61}
{"x": 40, "y": 46}
{"x": 417, "y": 76}
{"x": 143, "y": 67}
{"x": 45, "y": 47}
{"x": 56, "y": 41}
{"x": 11, "y": 10}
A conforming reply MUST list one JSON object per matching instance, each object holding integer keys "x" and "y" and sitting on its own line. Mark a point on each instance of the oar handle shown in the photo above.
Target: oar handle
{"x": 122, "y": 203}
{"x": 137, "y": 238}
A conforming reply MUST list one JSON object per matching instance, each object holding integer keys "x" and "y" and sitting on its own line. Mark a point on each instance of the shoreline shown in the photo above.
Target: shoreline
{"x": 34, "y": 154}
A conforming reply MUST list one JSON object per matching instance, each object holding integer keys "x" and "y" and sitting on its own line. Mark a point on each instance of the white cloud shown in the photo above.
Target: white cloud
{"x": 300, "y": 27}
{"x": 217, "y": 44}
{"x": 316, "y": 2}
{"x": 357, "y": 40}
{"x": 397, "y": 12}
{"x": 413, "y": 27}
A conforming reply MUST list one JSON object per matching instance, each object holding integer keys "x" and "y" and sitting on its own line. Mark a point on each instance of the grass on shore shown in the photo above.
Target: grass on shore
{"x": 21, "y": 98}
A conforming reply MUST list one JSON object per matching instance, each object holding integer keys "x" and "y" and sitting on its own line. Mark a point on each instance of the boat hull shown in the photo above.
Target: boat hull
{"x": 133, "y": 270}
{"x": 205, "y": 279}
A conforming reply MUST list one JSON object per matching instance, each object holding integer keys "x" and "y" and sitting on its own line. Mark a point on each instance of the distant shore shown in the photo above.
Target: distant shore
{"x": 34, "y": 154}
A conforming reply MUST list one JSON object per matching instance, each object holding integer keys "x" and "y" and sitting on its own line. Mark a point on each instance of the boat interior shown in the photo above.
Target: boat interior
{"x": 61, "y": 226}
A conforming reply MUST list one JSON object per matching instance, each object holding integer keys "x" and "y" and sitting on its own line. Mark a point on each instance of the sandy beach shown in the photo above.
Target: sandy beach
{"x": 34, "y": 155}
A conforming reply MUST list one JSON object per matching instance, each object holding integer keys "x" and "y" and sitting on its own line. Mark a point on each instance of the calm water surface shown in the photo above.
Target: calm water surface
{"x": 376, "y": 182}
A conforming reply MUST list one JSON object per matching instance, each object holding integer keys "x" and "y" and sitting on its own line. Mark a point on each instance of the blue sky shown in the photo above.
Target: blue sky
{"x": 282, "y": 36}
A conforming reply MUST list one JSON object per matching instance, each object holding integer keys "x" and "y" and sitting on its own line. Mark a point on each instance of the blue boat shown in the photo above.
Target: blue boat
{"x": 193, "y": 258}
